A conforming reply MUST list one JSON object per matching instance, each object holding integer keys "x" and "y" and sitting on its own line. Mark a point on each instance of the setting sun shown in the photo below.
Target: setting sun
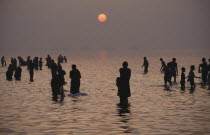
{"x": 102, "y": 18}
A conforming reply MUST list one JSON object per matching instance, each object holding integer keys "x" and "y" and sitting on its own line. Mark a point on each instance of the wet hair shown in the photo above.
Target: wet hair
{"x": 183, "y": 69}
{"x": 125, "y": 64}
{"x": 192, "y": 67}
{"x": 73, "y": 66}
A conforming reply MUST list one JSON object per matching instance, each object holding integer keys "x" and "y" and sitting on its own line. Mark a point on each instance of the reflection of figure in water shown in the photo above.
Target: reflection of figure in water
{"x": 145, "y": 65}
{"x": 163, "y": 67}
{"x": 61, "y": 74}
{"x": 55, "y": 85}
{"x": 167, "y": 76}
{"x": 173, "y": 69}
{"x": 65, "y": 59}
{"x": 31, "y": 70}
{"x": 3, "y": 61}
{"x": 209, "y": 75}
{"x": 40, "y": 64}
{"x": 191, "y": 77}
{"x": 18, "y": 72}
{"x": 182, "y": 82}
{"x": 9, "y": 72}
{"x": 204, "y": 70}
{"x": 53, "y": 68}
{"x": 123, "y": 84}
{"x": 75, "y": 80}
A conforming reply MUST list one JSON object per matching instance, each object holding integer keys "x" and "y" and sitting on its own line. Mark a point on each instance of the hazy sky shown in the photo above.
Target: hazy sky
{"x": 131, "y": 23}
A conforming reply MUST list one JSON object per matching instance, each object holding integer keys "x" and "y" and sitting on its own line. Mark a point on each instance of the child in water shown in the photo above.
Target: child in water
{"x": 191, "y": 77}
{"x": 182, "y": 82}
{"x": 167, "y": 76}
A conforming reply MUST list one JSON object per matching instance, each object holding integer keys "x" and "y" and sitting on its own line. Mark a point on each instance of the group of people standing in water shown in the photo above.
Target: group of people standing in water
{"x": 170, "y": 71}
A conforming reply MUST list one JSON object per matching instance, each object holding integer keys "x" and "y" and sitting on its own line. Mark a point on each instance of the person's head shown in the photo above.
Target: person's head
{"x": 203, "y": 59}
{"x": 183, "y": 69}
{"x": 192, "y": 67}
{"x": 125, "y": 64}
{"x": 41, "y": 58}
{"x": 73, "y": 66}
{"x": 145, "y": 58}
{"x": 161, "y": 59}
{"x": 174, "y": 59}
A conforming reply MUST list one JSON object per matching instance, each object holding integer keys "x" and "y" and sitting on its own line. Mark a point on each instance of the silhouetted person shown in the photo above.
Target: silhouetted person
{"x": 75, "y": 76}
{"x": 36, "y": 63}
{"x": 163, "y": 66}
{"x": 173, "y": 69}
{"x": 54, "y": 68}
{"x": 145, "y": 65}
{"x": 3, "y": 61}
{"x": 204, "y": 70}
{"x": 18, "y": 72}
{"x": 209, "y": 75}
{"x": 123, "y": 84}
{"x": 191, "y": 77}
{"x": 14, "y": 63}
{"x": 182, "y": 82}
{"x": 31, "y": 70}
{"x": 65, "y": 59}
{"x": 61, "y": 74}
{"x": 55, "y": 85}
{"x": 40, "y": 64}
{"x": 48, "y": 61}
{"x": 167, "y": 76}
{"x": 9, "y": 72}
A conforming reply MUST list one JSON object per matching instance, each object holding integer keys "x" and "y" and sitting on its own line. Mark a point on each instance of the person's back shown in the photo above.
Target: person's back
{"x": 75, "y": 74}
{"x": 18, "y": 73}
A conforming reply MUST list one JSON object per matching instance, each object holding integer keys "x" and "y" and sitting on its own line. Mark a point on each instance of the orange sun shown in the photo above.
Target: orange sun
{"x": 102, "y": 18}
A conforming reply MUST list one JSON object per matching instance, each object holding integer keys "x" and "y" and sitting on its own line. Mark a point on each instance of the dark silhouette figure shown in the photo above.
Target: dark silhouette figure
{"x": 182, "y": 82}
{"x": 123, "y": 83}
{"x": 65, "y": 59}
{"x": 3, "y": 61}
{"x": 61, "y": 74}
{"x": 28, "y": 62}
{"x": 60, "y": 59}
{"x": 209, "y": 75}
{"x": 75, "y": 76}
{"x": 36, "y": 63}
{"x": 14, "y": 63}
{"x": 191, "y": 77}
{"x": 145, "y": 65}
{"x": 21, "y": 61}
{"x": 18, "y": 72}
{"x": 40, "y": 64}
{"x": 31, "y": 70}
{"x": 9, "y": 72}
{"x": 55, "y": 85}
{"x": 163, "y": 67}
{"x": 48, "y": 61}
{"x": 203, "y": 68}
{"x": 54, "y": 68}
{"x": 167, "y": 76}
{"x": 173, "y": 69}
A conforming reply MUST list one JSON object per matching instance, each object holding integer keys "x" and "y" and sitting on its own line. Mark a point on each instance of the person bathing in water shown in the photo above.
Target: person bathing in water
{"x": 191, "y": 77}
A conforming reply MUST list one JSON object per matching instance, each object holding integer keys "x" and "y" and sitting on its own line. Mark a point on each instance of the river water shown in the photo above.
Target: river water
{"x": 26, "y": 108}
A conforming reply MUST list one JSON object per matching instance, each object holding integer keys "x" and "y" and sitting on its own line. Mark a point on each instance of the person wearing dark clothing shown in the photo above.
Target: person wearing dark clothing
{"x": 14, "y": 63}
{"x": 173, "y": 69}
{"x": 40, "y": 64}
{"x": 167, "y": 76}
{"x": 65, "y": 59}
{"x": 182, "y": 82}
{"x": 48, "y": 61}
{"x": 75, "y": 77}
{"x": 54, "y": 68}
{"x": 163, "y": 67}
{"x": 191, "y": 77}
{"x": 123, "y": 84}
{"x": 204, "y": 70}
{"x": 18, "y": 72}
{"x": 61, "y": 74}
{"x": 9, "y": 73}
{"x": 3, "y": 61}
{"x": 209, "y": 75}
{"x": 145, "y": 65}
{"x": 55, "y": 85}
{"x": 31, "y": 71}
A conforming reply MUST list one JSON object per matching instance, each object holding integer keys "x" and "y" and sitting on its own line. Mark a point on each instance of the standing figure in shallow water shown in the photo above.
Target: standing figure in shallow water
{"x": 173, "y": 69}
{"x": 18, "y": 72}
{"x": 55, "y": 85}
{"x": 167, "y": 76}
{"x": 145, "y": 65}
{"x": 209, "y": 75}
{"x": 31, "y": 70}
{"x": 182, "y": 82}
{"x": 28, "y": 62}
{"x": 75, "y": 77}
{"x": 3, "y": 61}
{"x": 54, "y": 68}
{"x": 163, "y": 67}
{"x": 65, "y": 59}
{"x": 123, "y": 83}
{"x": 40, "y": 64}
{"x": 204, "y": 70}
{"x": 191, "y": 77}
{"x": 9, "y": 72}
{"x": 62, "y": 82}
